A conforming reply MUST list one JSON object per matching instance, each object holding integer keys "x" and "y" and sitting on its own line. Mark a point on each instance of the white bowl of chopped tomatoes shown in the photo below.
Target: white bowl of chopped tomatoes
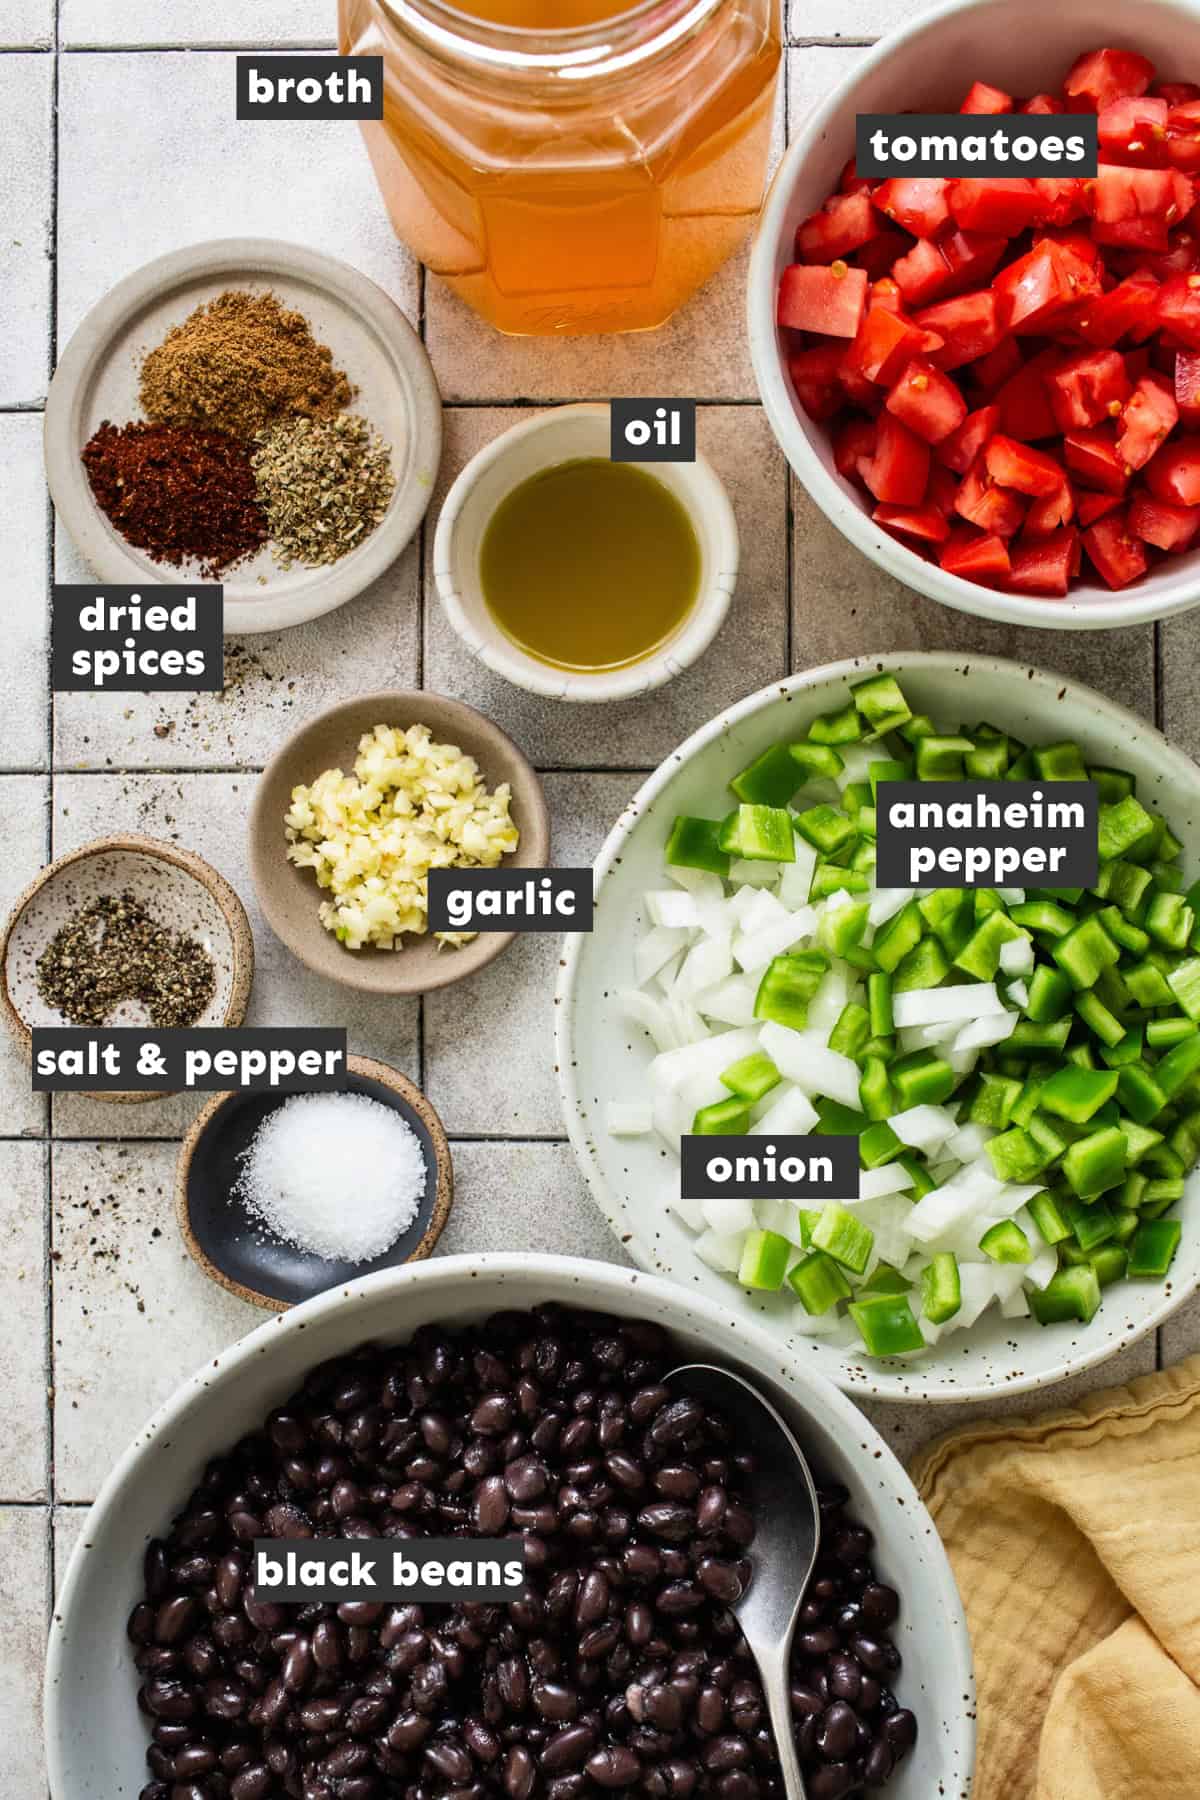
{"x": 992, "y": 387}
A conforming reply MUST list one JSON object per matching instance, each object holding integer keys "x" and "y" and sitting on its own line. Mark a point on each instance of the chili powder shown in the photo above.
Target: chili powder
{"x": 179, "y": 493}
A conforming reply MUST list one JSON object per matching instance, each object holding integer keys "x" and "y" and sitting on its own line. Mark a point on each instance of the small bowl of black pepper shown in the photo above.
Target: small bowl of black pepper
{"x": 126, "y": 931}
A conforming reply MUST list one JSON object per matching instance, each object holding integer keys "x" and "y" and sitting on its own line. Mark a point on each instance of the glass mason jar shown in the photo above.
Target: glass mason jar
{"x": 571, "y": 179}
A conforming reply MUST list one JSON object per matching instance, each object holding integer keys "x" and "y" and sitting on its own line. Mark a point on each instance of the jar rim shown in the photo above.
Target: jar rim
{"x": 576, "y": 53}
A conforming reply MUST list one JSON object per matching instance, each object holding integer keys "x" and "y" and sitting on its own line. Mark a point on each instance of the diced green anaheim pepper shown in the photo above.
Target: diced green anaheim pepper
{"x": 1076, "y": 1094}
{"x": 941, "y": 1288}
{"x": 988, "y": 761}
{"x": 751, "y": 1076}
{"x": 1184, "y": 983}
{"x": 788, "y": 984}
{"x": 851, "y": 1031}
{"x": 875, "y": 1094}
{"x": 1095, "y": 1163}
{"x": 980, "y": 956}
{"x": 765, "y": 1257}
{"x": 1046, "y": 917}
{"x": 1110, "y": 1262}
{"x": 993, "y": 1101}
{"x": 1049, "y": 995}
{"x": 825, "y": 828}
{"x": 1016, "y": 1157}
{"x": 1114, "y": 784}
{"x": 1170, "y": 920}
{"x": 1060, "y": 762}
{"x": 1074, "y": 1293}
{"x": 941, "y": 758}
{"x": 693, "y": 845}
{"x": 922, "y": 1181}
{"x": 772, "y": 778}
{"x": 884, "y": 1279}
{"x": 1139, "y": 1093}
{"x": 816, "y": 762}
{"x": 1153, "y": 1249}
{"x": 1100, "y": 1022}
{"x": 844, "y": 1237}
{"x": 1124, "y": 828}
{"x": 842, "y": 727}
{"x": 879, "y": 1004}
{"x": 1091, "y": 1225}
{"x": 818, "y": 1283}
{"x": 1178, "y": 1065}
{"x": 841, "y": 930}
{"x": 1047, "y": 1215}
{"x": 894, "y": 940}
{"x": 926, "y": 966}
{"x": 1084, "y": 951}
{"x": 923, "y": 1078}
{"x": 1006, "y": 1243}
{"x": 1164, "y": 1034}
{"x": 723, "y": 1117}
{"x": 759, "y": 834}
{"x": 886, "y": 1324}
{"x": 881, "y": 704}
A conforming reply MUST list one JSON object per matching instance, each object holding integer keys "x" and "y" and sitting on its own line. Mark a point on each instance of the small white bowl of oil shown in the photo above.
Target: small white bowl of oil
{"x": 578, "y": 577}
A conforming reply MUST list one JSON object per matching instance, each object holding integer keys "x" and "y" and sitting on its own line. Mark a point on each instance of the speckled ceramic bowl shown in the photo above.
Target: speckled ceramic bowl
{"x": 96, "y": 1737}
{"x": 174, "y": 885}
{"x": 602, "y": 1058}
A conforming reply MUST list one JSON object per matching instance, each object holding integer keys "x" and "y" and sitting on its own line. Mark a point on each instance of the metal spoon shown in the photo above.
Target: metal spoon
{"x": 785, "y": 1544}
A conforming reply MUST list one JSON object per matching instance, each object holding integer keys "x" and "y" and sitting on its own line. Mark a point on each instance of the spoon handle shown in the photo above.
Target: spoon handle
{"x": 773, "y": 1668}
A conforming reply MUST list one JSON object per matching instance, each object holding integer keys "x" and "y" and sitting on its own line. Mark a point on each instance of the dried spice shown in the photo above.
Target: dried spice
{"x": 240, "y": 363}
{"x": 178, "y": 494}
{"x": 324, "y": 485}
{"x": 113, "y": 950}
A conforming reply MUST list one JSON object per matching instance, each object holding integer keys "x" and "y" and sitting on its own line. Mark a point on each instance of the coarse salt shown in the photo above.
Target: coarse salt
{"x": 340, "y": 1175}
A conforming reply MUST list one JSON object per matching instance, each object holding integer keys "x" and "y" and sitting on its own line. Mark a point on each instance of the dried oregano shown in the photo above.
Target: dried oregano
{"x": 324, "y": 485}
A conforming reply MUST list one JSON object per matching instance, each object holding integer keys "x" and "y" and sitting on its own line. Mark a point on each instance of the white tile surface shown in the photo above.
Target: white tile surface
{"x": 527, "y": 1196}
{"x": 23, "y": 667}
{"x": 25, "y": 107}
{"x": 24, "y": 831}
{"x": 27, "y": 24}
{"x": 308, "y": 182}
{"x": 309, "y": 23}
{"x": 24, "y": 1577}
{"x": 478, "y": 1071}
{"x": 749, "y": 651}
{"x": 23, "y": 1361}
{"x": 133, "y": 1315}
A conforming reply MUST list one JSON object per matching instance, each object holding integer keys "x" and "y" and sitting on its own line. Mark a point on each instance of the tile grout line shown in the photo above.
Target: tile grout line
{"x": 422, "y": 279}
{"x": 51, "y": 1384}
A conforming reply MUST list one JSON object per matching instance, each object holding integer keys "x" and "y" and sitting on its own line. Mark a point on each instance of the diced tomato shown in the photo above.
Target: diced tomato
{"x": 1061, "y": 198}
{"x": 1099, "y": 77}
{"x": 1178, "y": 309}
{"x": 851, "y": 182}
{"x": 877, "y": 256}
{"x": 922, "y": 273}
{"x": 923, "y": 522}
{"x": 1008, "y": 204}
{"x": 1174, "y": 474}
{"x": 1147, "y": 420}
{"x": 1134, "y": 130}
{"x": 984, "y": 99}
{"x": 1117, "y": 555}
{"x": 942, "y": 491}
{"x": 828, "y": 300}
{"x": 1187, "y": 386}
{"x": 886, "y": 341}
{"x": 1134, "y": 206}
{"x": 1024, "y": 404}
{"x": 1015, "y": 465}
{"x": 927, "y": 401}
{"x": 1041, "y": 103}
{"x": 1044, "y": 566}
{"x": 971, "y": 257}
{"x": 1176, "y": 93}
{"x": 898, "y": 472}
{"x": 845, "y": 223}
{"x": 851, "y": 441}
{"x": 1091, "y": 507}
{"x": 984, "y": 504}
{"x": 996, "y": 367}
{"x": 1183, "y": 136}
{"x": 916, "y": 204}
{"x": 1159, "y": 522}
{"x": 1038, "y": 290}
{"x": 1129, "y": 309}
{"x": 975, "y": 556}
{"x": 959, "y": 450}
{"x": 1050, "y": 513}
{"x": 1091, "y": 456}
{"x": 969, "y": 326}
{"x": 1088, "y": 387}
{"x": 814, "y": 376}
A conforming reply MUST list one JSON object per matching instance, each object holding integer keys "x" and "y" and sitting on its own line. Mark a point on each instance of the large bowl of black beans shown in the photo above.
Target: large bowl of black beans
{"x": 487, "y": 1397}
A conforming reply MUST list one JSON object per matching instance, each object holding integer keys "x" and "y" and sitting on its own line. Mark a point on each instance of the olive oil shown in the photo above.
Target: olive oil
{"x": 590, "y": 565}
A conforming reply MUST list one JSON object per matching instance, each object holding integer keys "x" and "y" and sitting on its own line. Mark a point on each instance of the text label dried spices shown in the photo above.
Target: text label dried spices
{"x": 240, "y": 363}
{"x": 113, "y": 950}
{"x": 179, "y": 494}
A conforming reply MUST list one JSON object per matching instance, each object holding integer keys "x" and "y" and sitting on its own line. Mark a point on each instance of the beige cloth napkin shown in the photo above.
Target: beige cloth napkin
{"x": 1075, "y": 1541}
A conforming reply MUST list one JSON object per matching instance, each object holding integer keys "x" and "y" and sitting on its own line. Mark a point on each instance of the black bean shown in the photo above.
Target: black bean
{"x": 614, "y": 1767}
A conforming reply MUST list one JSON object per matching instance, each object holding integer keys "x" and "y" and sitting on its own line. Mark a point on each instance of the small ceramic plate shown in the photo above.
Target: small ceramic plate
{"x": 177, "y": 887}
{"x": 238, "y": 1251}
{"x": 290, "y": 897}
{"x": 97, "y": 379}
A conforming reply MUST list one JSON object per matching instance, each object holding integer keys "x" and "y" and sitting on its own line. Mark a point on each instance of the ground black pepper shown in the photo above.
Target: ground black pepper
{"x": 178, "y": 493}
{"x": 113, "y": 950}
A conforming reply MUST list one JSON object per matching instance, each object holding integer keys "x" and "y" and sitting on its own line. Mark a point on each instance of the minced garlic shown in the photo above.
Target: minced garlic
{"x": 371, "y": 838}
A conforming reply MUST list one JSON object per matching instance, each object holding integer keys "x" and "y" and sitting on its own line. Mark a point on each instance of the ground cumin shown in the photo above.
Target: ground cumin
{"x": 238, "y": 364}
